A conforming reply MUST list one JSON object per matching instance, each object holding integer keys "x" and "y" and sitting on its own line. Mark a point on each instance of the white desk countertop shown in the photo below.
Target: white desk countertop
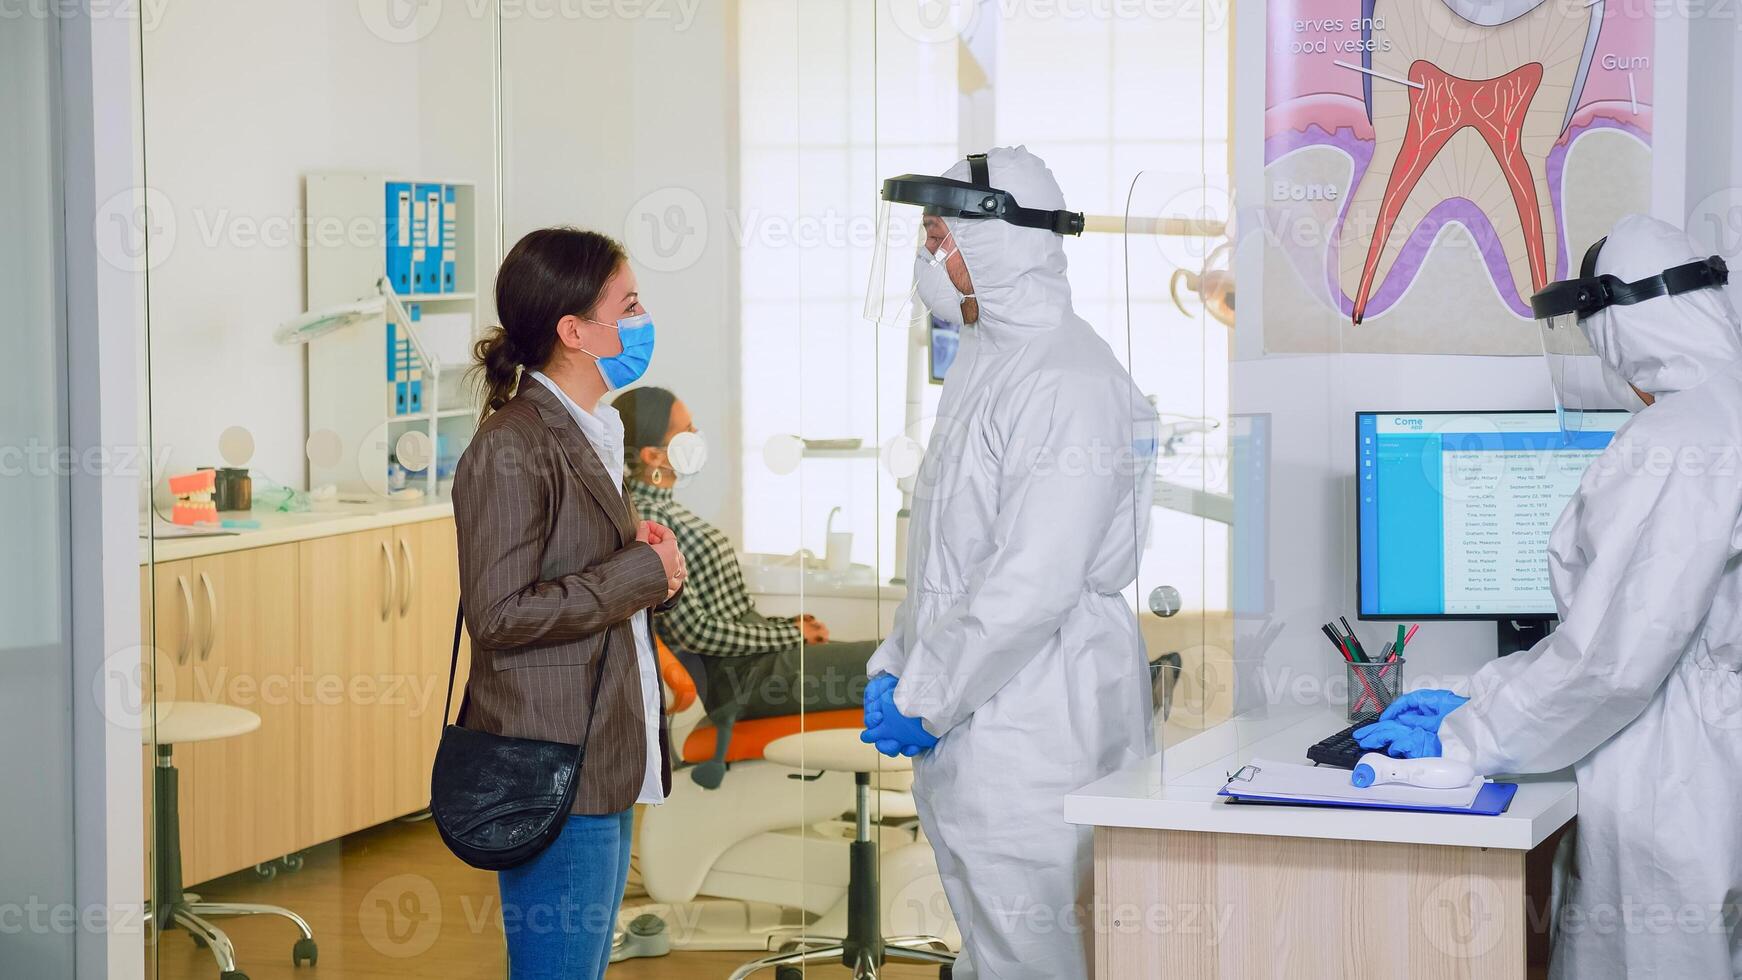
{"x": 1176, "y": 790}
{"x": 277, "y": 527}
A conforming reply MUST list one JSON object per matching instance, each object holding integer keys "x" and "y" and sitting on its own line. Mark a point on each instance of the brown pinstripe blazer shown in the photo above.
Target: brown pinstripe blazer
{"x": 550, "y": 576}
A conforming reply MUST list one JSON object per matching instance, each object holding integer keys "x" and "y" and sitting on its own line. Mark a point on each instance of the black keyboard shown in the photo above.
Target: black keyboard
{"x": 1340, "y": 750}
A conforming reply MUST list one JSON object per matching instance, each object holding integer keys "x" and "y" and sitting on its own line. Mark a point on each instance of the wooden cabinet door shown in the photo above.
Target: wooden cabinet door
{"x": 245, "y": 655}
{"x": 348, "y": 599}
{"x": 423, "y": 624}
{"x": 168, "y": 637}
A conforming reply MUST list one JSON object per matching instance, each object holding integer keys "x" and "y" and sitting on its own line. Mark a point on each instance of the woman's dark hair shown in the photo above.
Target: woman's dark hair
{"x": 546, "y": 276}
{"x": 646, "y": 416}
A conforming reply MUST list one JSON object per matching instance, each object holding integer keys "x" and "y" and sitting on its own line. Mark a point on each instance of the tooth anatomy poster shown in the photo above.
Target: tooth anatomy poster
{"x": 1429, "y": 164}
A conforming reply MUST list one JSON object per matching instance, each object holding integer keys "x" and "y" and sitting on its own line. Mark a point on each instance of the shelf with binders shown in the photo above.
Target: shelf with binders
{"x": 374, "y": 383}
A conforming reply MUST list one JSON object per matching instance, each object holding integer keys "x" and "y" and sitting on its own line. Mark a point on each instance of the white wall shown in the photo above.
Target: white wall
{"x": 241, "y": 100}
{"x": 627, "y": 127}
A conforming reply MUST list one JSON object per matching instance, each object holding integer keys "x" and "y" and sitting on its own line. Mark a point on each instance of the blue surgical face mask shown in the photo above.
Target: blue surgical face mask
{"x": 636, "y": 335}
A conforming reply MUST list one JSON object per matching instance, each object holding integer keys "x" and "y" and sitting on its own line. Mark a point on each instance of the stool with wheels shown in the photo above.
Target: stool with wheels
{"x": 181, "y": 722}
{"x": 864, "y": 948}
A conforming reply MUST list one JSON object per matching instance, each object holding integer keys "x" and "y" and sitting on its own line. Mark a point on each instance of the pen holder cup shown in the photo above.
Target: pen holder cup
{"x": 1372, "y": 688}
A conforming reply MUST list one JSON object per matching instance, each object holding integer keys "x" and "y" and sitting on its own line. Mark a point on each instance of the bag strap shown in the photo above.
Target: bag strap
{"x": 454, "y": 668}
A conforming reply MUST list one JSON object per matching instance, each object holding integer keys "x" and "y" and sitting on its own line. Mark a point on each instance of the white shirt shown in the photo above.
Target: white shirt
{"x": 603, "y": 428}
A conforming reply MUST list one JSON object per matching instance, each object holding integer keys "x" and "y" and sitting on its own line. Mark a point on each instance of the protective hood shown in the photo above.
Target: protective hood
{"x": 1018, "y": 273}
{"x": 1669, "y": 343}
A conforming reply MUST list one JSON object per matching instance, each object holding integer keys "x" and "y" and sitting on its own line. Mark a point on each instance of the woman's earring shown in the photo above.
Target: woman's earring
{"x": 657, "y": 478}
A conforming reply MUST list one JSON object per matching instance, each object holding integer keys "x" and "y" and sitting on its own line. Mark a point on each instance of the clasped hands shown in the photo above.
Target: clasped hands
{"x": 664, "y": 544}
{"x": 886, "y": 727}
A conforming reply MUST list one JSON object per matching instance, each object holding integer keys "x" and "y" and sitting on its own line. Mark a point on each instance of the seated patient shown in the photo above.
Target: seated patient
{"x": 758, "y": 665}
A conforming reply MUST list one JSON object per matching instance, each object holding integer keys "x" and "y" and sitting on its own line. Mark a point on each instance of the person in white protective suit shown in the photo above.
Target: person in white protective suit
{"x": 1014, "y": 649}
{"x": 1640, "y": 686}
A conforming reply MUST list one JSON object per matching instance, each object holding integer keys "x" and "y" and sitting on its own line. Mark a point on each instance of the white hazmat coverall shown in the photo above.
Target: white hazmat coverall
{"x": 1014, "y": 645}
{"x": 1639, "y": 688}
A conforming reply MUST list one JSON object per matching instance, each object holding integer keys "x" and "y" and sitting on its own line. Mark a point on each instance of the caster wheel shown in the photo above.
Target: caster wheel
{"x": 232, "y": 975}
{"x": 788, "y": 973}
{"x": 291, "y": 862}
{"x": 266, "y": 872}
{"x": 305, "y": 951}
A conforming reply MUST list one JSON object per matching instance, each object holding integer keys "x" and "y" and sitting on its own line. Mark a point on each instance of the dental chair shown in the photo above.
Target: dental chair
{"x": 748, "y": 854}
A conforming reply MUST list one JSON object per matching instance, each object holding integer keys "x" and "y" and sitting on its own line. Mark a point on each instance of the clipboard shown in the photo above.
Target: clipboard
{"x": 1491, "y": 800}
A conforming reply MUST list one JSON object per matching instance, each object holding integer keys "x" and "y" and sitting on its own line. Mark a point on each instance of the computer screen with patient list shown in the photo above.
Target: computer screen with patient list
{"x": 1455, "y": 508}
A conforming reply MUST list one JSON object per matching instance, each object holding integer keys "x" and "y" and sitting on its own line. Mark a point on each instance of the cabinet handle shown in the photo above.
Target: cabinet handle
{"x": 410, "y": 574}
{"x": 392, "y": 579}
{"x": 187, "y": 618}
{"x": 211, "y": 616}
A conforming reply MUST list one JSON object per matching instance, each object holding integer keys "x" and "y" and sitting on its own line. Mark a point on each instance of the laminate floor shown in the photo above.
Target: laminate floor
{"x": 391, "y": 902}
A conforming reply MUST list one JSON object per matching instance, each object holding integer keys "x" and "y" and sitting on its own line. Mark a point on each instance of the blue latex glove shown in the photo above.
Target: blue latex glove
{"x": 874, "y": 691}
{"x": 1423, "y": 709}
{"x": 1399, "y": 740}
{"x": 893, "y": 732}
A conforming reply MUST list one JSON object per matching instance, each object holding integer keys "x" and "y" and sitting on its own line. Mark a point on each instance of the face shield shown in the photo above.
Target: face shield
{"x": 902, "y": 232}
{"x": 1582, "y": 382}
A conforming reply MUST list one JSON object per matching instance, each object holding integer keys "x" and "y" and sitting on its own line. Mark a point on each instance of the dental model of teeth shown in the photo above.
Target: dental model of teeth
{"x": 193, "y": 497}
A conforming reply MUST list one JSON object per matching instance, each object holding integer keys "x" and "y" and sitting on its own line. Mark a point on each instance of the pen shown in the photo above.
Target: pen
{"x": 1398, "y": 643}
{"x": 1354, "y": 641}
{"x": 1411, "y": 634}
{"x": 1336, "y": 642}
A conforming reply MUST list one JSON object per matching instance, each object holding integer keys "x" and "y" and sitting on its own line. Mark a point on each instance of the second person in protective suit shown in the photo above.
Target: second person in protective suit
{"x": 1639, "y": 688}
{"x": 1015, "y": 671}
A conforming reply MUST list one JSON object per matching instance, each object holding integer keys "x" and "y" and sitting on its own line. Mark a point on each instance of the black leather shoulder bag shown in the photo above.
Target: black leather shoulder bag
{"x": 499, "y": 801}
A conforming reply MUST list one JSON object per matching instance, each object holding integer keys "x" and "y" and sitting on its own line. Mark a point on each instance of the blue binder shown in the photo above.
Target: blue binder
{"x": 449, "y": 231}
{"x": 1490, "y": 802}
{"x": 419, "y": 239}
{"x": 399, "y": 236}
{"x": 426, "y": 270}
{"x": 404, "y": 375}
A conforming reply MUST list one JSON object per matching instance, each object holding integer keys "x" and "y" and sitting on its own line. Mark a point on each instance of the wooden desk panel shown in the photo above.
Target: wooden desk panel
{"x": 1198, "y": 905}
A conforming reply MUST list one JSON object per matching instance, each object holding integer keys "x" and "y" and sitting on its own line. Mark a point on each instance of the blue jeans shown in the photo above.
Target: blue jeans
{"x": 560, "y": 909}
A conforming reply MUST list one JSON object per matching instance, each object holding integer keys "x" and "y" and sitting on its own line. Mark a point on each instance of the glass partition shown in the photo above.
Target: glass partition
{"x": 36, "y": 676}
{"x": 319, "y": 271}
{"x": 321, "y": 212}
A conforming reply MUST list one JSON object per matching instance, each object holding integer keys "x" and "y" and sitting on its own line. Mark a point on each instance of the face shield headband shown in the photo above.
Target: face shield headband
{"x": 975, "y": 198}
{"x": 1591, "y": 293}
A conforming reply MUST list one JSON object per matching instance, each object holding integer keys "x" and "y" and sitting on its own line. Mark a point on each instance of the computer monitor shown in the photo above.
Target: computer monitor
{"x": 1454, "y": 509}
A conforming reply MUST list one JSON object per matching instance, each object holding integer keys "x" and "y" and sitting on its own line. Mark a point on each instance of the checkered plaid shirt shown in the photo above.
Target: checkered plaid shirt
{"x": 714, "y": 615}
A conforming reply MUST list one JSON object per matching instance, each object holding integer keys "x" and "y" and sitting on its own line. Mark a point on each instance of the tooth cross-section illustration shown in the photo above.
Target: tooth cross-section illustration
{"x": 1466, "y": 98}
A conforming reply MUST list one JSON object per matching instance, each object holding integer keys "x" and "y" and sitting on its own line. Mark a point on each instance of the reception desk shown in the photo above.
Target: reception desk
{"x": 1190, "y": 885}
